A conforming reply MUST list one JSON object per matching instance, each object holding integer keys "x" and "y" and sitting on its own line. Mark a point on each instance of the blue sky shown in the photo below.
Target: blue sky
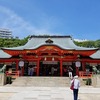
{"x": 78, "y": 18}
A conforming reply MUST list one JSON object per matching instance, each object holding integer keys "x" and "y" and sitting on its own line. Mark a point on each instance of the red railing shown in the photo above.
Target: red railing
{"x": 13, "y": 74}
{"x": 83, "y": 74}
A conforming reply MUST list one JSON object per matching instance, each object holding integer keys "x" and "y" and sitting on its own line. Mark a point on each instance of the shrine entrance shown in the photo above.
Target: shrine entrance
{"x": 49, "y": 68}
{"x": 69, "y": 67}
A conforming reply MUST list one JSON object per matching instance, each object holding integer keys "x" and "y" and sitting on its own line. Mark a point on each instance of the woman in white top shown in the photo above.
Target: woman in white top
{"x": 76, "y": 87}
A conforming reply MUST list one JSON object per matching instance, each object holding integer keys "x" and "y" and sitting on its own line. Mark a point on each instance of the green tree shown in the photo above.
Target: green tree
{"x": 88, "y": 44}
{"x": 13, "y": 42}
{"x": 97, "y": 43}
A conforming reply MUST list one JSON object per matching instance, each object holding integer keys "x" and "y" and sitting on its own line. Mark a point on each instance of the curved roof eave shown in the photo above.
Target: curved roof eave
{"x": 64, "y": 48}
{"x": 4, "y": 54}
{"x": 49, "y": 45}
{"x": 14, "y": 48}
{"x": 96, "y": 55}
{"x": 83, "y": 48}
{"x": 64, "y": 43}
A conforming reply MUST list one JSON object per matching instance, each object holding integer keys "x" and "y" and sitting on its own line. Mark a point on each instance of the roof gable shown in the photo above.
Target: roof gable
{"x": 48, "y": 41}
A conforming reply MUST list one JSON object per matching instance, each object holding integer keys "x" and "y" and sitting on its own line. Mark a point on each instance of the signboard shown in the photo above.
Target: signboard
{"x": 50, "y": 62}
{"x": 32, "y": 63}
{"x": 78, "y": 64}
{"x": 93, "y": 64}
{"x": 67, "y": 63}
{"x": 8, "y": 63}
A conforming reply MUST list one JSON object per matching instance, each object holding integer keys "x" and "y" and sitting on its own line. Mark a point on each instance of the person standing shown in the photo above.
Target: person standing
{"x": 29, "y": 70}
{"x": 70, "y": 72}
{"x": 32, "y": 71}
{"x": 76, "y": 87}
{"x": 52, "y": 70}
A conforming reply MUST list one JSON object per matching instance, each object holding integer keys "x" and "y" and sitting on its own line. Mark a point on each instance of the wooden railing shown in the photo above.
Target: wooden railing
{"x": 13, "y": 74}
{"x": 84, "y": 74}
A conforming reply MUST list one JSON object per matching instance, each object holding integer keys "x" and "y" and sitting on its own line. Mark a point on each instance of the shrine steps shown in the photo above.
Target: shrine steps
{"x": 42, "y": 81}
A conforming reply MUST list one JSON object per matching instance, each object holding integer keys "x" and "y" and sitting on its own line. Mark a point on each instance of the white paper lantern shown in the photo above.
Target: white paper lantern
{"x": 21, "y": 63}
{"x": 78, "y": 63}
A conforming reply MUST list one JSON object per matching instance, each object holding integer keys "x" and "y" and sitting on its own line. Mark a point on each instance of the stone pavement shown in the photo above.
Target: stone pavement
{"x": 47, "y": 93}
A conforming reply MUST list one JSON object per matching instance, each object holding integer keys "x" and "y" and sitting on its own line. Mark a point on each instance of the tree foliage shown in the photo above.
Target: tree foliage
{"x": 89, "y": 44}
{"x": 97, "y": 43}
{"x": 12, "y": 42}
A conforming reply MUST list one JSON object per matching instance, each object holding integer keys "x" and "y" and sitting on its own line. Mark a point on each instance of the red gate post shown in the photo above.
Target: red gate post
{"x": 61, "y": 70}
{"x": 38, "y": 67}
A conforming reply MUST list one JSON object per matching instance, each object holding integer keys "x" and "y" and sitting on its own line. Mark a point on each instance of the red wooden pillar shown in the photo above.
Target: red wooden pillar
{"x": 77, "y": 71}
{"x": 61, "y": 69}
{"x": 22, "y": 71}
{"x": 17, "y": 65}
{"x": 38, "y": 61}
{"x": 83, "y": 66}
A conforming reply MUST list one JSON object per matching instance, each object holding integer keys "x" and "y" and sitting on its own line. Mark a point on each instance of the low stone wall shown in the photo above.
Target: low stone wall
{"x": 2, "y": 79}
{"x": 96, "y": 81}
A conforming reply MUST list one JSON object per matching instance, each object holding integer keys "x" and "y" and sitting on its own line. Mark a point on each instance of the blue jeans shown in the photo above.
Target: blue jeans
{"x": 75, "y": 93}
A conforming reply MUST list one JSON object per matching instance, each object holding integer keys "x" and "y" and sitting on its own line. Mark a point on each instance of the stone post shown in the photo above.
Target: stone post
{"x": 96, "y": 81}
{"x": 2, "y": 79}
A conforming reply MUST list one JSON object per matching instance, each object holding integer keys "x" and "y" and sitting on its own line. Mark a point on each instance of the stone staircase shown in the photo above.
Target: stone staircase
{"x": 42, "y": 81}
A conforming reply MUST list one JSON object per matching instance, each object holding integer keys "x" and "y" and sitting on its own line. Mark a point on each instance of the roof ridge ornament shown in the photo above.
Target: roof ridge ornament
{"x": 49, "y": 40}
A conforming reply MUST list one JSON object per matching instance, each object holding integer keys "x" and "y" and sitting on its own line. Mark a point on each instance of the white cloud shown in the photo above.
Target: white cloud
{"x": 19, "y": 27}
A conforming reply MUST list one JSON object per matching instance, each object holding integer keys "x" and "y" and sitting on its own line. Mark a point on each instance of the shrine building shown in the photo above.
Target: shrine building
{"x": 49, "y": 56}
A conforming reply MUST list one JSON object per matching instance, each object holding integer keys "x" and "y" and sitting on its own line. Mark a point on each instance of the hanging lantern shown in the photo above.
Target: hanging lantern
{"x": 45, "y": 58}
{"x": 53, "y": 59}
{"x": 21, "y": 63}
{"x": 78, "y": 64}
